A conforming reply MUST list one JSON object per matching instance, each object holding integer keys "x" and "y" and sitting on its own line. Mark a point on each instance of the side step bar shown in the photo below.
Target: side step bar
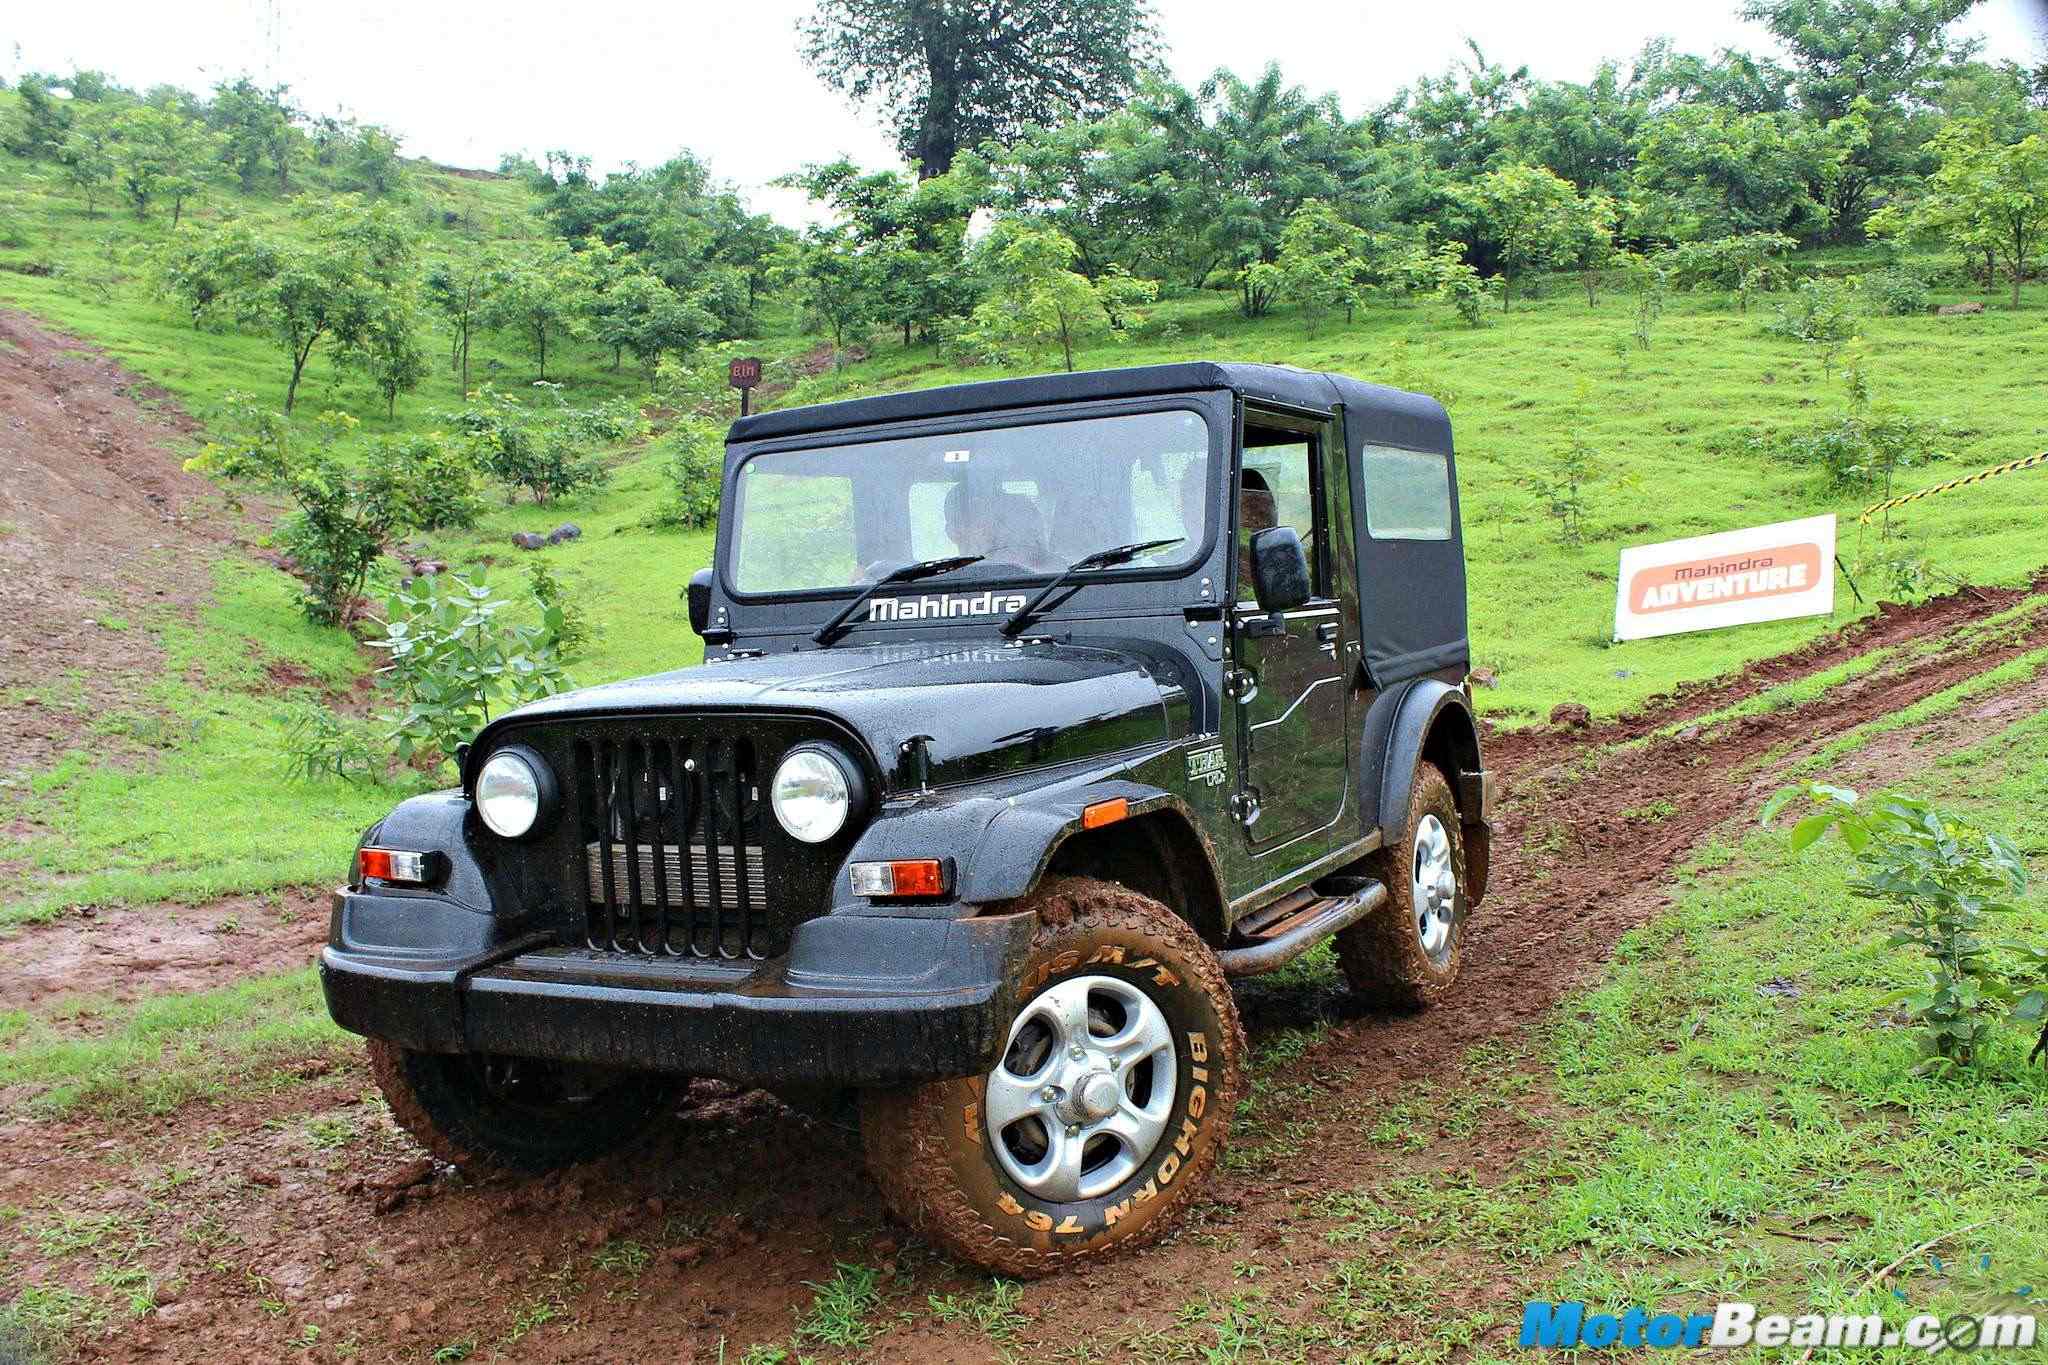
{"x": 1302, "y": 931}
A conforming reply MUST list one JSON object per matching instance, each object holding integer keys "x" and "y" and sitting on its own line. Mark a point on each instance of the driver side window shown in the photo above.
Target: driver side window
{"x": 1278, "y": 485}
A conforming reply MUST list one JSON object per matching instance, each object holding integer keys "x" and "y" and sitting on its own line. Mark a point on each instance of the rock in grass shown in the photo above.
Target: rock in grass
{"x": 527, "y": 540}
{"x": 568, "y": 530}
{"x": 1954, "y": 310}
{"x": 1570, "y": 715}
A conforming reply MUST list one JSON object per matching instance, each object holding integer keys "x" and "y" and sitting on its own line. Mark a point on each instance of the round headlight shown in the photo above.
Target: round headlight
{"x": 812, "y": 795}
{"x": 509, "y": 792}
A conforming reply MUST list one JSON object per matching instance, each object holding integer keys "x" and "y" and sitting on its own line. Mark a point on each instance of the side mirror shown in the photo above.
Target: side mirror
{"x": 699, "y": 595}
{"x": 1279, "y": 569}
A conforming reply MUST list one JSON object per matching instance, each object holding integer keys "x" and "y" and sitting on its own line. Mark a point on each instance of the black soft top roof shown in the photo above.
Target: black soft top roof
{"x": 1389, "y": 415}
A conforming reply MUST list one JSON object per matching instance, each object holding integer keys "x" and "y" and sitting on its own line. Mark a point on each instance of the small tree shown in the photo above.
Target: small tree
{"x": 259, "y": 130}
{"x": 1587, "y": 247}
{"x": 88, "y": 155}
{"x": 1744, "y": 265}
{"x": 834, "y": 282}
{"x": 163, "y": 155}
{"x": 1950, "y": 882}
{"x": 1035, "y": 298}
{"x": 342, "y": 515}
{"x": 1649, "y": 283}
{"x": 42, "y": 121}
{"x": 1323, "y": 262}
{"x": 695, "y": 466}
{"x": 641, "y": 314}
{"x": 358, "y": 280}
{"x": 202, "y": 271}
{"x": 1453, "y": 280}
{"x": 1531, "y": 217}
{"x": 373, "y": 165}
{"x": 460, "y": 291}
{"x": 432, "y": 477}
{"x": 1986, "y": 197}
{"x": 543, "y": 293}
{"x": 389, "y": 351}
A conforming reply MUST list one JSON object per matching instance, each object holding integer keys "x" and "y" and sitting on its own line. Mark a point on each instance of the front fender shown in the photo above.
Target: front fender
{"x": 1020, "y": 844}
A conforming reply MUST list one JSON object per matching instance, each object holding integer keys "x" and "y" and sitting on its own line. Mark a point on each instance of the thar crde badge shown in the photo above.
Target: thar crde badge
{"x": 1731, "y": 578}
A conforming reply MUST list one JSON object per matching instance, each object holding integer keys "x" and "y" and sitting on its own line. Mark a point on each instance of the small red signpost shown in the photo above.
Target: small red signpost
{"x": 743, "y": 374}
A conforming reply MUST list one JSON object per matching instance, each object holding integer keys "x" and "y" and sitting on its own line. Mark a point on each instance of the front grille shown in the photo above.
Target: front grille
{"x": 673, "y": 853}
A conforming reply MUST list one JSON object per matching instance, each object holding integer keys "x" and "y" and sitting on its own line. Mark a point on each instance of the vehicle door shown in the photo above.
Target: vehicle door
{"x": 1288, "y": 669}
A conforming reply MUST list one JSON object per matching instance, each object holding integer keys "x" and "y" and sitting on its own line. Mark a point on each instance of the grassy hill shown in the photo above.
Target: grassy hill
{"x": 1656, "y": 423}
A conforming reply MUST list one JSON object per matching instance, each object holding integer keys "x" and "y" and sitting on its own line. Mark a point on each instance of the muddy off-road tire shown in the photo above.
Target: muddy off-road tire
{"x": 1111, "y": 1102}
{"x": 515, "y": 1114}
{"x": 1407, "y": 953}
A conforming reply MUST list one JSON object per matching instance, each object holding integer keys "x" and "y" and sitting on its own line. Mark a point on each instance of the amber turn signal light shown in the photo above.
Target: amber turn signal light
{"x": 912, "y": 877}
{"x": 1104, "y": 813}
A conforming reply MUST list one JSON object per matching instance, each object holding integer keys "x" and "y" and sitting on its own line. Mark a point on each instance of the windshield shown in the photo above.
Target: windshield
{"x": 1029, "y": 499}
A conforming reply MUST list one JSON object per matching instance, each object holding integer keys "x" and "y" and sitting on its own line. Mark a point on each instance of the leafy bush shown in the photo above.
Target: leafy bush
{"x": 1820, "y": 310}
{"x": 696, "y": 467}
{"x": 573, "y": 632}
{"x": 319, "y": 744}
{"x": 341, "y": 515}
{"x": 455, "y": 658}
{"x": 1743, "y": 264}
{"x": 546, "y": 454}
{"x": 1447, "y": 275}
{"x": 434, "y": 481}
{"x": 1949, "y": 881}
{"x": 1857, "y": 450}
{"x": 1895, "y": 292}
{"x": 610, "y": 422}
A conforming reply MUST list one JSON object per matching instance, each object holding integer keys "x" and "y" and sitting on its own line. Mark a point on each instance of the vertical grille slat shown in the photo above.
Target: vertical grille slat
{"x": 743, "y": 941}
{"x": 678, "y": 941}
{"x": 657, "y": 778}
{"x": 712, "y": 822}
{"x": 593, "y": 786}
{"x": 626, "y": 817}
{"x": 676, "y": 860}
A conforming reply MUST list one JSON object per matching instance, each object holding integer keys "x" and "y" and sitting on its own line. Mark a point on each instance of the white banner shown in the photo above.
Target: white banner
{"x": 1764, "y": 573}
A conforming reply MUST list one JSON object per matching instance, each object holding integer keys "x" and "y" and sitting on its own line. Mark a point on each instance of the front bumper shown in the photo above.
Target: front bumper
{"x": 857, "y": 1000}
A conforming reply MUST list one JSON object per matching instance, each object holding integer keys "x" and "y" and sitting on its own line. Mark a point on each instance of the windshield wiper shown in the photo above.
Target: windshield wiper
{"x": 909, "y": 573}
{"x": 1101, "y": 559}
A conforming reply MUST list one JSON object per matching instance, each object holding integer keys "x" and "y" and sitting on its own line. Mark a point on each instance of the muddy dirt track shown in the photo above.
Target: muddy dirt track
{"x": 739, "y": 1202}
{"x": 295, "y": 1203}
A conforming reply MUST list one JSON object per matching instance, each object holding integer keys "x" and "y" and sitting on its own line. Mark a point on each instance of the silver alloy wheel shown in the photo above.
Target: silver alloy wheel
{"x": 1435, "y": 887}
{"x": 1084, "y": 1089}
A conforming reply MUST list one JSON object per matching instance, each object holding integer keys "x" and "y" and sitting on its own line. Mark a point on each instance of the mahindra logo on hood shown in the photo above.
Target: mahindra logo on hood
{"x": 938, "y": 606}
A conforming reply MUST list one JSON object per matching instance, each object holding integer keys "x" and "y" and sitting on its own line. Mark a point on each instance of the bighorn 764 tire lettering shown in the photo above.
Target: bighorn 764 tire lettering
{"x": 1106, "y": 1110}
{"x": 1031, "y": 713}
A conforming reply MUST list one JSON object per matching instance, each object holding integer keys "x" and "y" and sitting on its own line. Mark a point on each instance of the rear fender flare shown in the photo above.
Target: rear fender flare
{"x": 1428, "y": 720}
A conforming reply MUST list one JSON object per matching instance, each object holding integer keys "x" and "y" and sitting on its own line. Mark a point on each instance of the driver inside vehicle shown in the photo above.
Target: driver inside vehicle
{"x": 1002, "y": 527}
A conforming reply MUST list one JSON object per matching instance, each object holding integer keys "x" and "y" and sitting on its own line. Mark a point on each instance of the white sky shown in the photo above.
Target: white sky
{"x": 617, "y": 80}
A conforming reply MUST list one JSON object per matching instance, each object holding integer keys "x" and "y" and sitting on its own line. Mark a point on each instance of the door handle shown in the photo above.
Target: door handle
{"x": 1326, "y": 633}
{"x": 1253, "y": 627}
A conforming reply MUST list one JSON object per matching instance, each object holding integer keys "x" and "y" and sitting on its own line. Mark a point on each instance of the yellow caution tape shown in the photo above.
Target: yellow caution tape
{"x": 1963, "y": 482}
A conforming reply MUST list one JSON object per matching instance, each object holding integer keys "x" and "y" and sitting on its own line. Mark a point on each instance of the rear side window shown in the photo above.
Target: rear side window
{"x": 1407, "y": 494}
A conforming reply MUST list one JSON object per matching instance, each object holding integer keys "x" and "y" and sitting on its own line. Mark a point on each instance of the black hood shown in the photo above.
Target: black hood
{"x": 988, "y": 708}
